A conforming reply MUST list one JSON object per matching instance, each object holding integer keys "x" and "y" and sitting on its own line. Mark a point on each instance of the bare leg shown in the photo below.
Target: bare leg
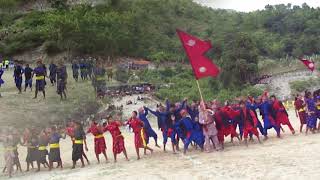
{"x": 19, "y": 165}
{"x": 74, "y": 164}
{"x": 50, "y": 165}
{"x": 173, "y": 148}
{"x": 38, "y": 165}
{"x": 105, "y": 155}
{"x": 36, "y": 94}
{"x": 28, "y": 165}
{"x": 115, "y": 157}
{"x": 125, "y": 154}
{"x": 148, "y": 148}
{"x": 246, "y": 141}
{"x": 85, "y": 156}
{"x": 82, "y": 162}
{"x": 138, "y": 154}
{"x": 98, "y": 159}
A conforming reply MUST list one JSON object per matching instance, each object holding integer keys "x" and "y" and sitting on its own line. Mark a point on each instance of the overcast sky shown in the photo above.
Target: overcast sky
{"x": 251, "y": 5}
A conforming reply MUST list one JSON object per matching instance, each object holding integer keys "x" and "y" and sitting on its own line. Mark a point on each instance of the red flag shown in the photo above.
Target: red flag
{"x": 195, "y": 49}
{"x": 308, "y": 63}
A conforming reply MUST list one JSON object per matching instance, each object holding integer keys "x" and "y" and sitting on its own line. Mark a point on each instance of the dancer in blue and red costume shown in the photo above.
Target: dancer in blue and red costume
{"x": 143, "y": 112}
{"x": 193, "y": 110}
{"x": 268, "y": 120}
{"x": 139, "y": 134}
{"x": 165, "y": 124}
{"x": 192, "y": 132}
{"x": 252, "y": 105}
{"x": 228, "y": 115}
{"x": 221, "y": 122}
{"x": 281, "y": 114}
{"x": 311, "y": 112}
{"x": 249, "y": 121}
{"x": 300, "y": 109}
{"x": 174, "y": 109}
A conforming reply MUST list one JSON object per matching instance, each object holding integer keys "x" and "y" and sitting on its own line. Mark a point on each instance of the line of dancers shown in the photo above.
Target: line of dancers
{"x": 203, "y": 125}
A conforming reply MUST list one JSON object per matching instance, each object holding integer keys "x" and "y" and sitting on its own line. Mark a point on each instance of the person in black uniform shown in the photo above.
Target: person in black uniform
{"x": 77, "y": 147}
{"x": 28, "y": 77}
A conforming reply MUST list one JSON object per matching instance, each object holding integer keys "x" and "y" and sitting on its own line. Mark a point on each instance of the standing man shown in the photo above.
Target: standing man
{"x": 79, "y": 137}
{"x": 40, "y": 73}
{"x": 1, "y": 80}
{"x": 53, "y": 73}
{"x": 100, "y": 81}
{"x": 75, "y": 71}
{"x": 62, "y": 80}
{"x": 83, "y": 70}
{"x": 28, "y": 77}
{"x": 18, "y": 71}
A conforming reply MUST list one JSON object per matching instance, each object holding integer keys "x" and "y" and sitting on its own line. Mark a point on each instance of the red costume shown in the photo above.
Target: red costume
{"x": 301, "y": 108}
{"x": 99, "y": 141}
{"x": 250, "y": 122}
{"x": 229, "y": 114}
{"x": 281, "y": 115}
{"x": 139, "y": 133}
{"x": 117, "y": 138}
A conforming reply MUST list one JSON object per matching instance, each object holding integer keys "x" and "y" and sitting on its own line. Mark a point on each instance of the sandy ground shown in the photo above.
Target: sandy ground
{"x": 292, "y": 156}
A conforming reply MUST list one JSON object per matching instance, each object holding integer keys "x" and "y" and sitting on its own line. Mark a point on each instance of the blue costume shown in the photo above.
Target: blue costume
{"x": 83, "y": 71}
{"x": 164, "y": 124}
{"x": 176, "y": 112}
{"x": 62, "y": 78}
{"x": 149, "y": 131}
{"x": 53, "y": 73}
{"x": 54, "y": 154}
{"x": 18, "y": 71}
{"x": 312, "y": 117}
{"x": 254, "y": 107}
{"x": 1, "y": 73}
{"x": 75, "y": 71}
{"x": 28, "y": 77}
{"x": 40, "y": 73}
{"x": 193, "y": 112}
{"x": 268, "y": 123}
{"x": 193, "y": 133}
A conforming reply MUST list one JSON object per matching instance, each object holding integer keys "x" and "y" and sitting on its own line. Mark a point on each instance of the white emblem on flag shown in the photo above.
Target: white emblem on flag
{"x": 191, "y": 42}
{"x": 202, "y": 69}
{"x": 311, "y": 65}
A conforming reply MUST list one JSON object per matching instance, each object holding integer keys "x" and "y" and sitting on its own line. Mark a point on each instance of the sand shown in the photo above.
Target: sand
{"x": 292, "y": 156}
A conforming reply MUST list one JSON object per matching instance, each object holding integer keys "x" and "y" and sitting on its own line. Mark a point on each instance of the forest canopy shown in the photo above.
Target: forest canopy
{"x": 147, "y": 29}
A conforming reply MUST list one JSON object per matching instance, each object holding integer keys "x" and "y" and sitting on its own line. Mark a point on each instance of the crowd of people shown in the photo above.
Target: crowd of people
{"x": 57, "y": 74}
{"x": 204, "y": 125}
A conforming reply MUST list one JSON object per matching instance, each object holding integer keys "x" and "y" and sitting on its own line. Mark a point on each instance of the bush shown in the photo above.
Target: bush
{"x": 122, "y": 75}
{"x": 303, "y": 85}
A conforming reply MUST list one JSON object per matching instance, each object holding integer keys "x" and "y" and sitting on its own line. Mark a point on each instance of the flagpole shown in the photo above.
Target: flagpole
{"x": 199, "y": 90}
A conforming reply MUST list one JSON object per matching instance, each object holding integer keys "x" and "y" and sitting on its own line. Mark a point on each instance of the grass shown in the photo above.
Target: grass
{"x": 21, "y": 110}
